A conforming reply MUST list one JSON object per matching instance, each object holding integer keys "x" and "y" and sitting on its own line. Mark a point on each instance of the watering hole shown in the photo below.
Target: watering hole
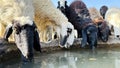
{"x": 76, "y": 58}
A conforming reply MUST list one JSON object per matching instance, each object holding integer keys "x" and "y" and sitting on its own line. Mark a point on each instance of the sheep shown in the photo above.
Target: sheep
{"x": 10, "y": 9}
{"x": 77, "y": 13}
{"x": 46, "y": 10}
{"x": 31, "y": 10}
{"x": 103, "y": 28}
{"x": 40, "y": 13}
{"x": 112, "y": 17}
{"x": 64, "y": 8}
{"x": 15, "y": 16}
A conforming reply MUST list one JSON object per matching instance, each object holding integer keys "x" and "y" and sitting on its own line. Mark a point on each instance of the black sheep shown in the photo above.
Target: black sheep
{"x": 78, "y": 14}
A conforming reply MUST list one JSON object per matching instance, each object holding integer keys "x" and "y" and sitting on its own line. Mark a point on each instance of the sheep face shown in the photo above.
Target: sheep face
{"x": 62, "y": 6}
{"x": 25, "y": 39}
{"x": 103, "y": 31}
{"x": 92, "y": 36}
{"x": 67, "y": 35}
{"x": 89, "y": 35}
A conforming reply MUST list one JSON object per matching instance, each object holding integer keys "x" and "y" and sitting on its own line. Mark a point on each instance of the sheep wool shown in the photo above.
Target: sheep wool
{"x": 113, "y": 18}
{"x": 95, "y": 15}
{"x": 46, "y": 16}
{"x": 10, "y": 9}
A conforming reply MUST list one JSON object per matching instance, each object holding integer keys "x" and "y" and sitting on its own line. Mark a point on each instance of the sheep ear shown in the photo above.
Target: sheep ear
{"x": 37, "y": 45}
{"x": 36, "y": 40}
{"x": 8, "y": 32}
{"x": 58, "y": 3}
{"x": 65, "y": 2}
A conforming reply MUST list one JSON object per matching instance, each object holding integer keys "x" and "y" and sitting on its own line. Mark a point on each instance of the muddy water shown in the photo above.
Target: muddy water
{"x": 81, "y": 58}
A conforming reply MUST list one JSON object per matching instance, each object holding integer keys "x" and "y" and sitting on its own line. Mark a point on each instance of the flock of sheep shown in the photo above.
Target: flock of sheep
{"x": 30, "y": 20}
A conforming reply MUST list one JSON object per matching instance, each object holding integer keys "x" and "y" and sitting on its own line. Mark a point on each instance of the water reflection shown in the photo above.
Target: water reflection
{"x": 72, "y": 59}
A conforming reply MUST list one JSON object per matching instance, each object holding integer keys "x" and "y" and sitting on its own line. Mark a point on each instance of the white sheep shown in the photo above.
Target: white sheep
{"x": 113, "y": 18}
{"x": 43, "y": 12}
{"x": 10, "y": 9}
